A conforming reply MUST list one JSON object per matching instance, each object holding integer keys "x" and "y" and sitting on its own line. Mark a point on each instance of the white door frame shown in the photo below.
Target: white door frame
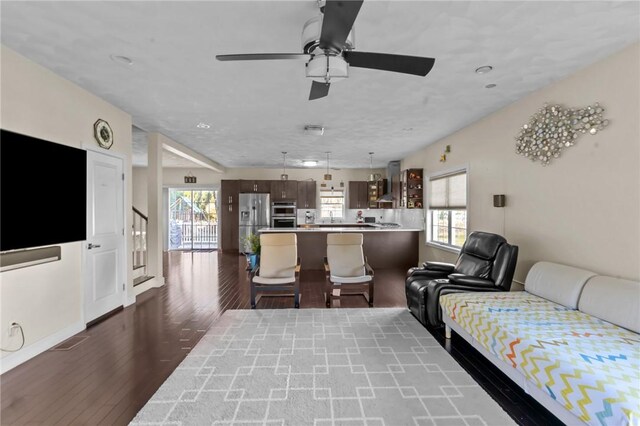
{"x": 216, "y": 187}
{"x": 123, "y": 240}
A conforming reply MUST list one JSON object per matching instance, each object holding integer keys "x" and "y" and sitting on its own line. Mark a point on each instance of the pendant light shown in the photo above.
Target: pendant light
{"x": 327, "y": 175}
{"x": 284, "y": 175}
{"x": 372, "y": 177}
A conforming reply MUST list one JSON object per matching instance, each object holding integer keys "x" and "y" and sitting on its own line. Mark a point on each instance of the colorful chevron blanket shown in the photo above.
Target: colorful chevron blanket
{"x": 589, "y": 366}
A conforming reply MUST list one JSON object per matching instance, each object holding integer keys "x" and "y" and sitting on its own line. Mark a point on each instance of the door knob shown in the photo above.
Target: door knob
{"x": 92, "y": 246}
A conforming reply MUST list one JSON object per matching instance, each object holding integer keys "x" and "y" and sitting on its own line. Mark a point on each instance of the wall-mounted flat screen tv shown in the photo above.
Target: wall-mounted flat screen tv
{"x": 43, "y": 192}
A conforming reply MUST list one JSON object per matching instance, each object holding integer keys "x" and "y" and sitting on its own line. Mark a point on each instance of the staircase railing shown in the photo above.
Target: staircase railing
{"x": 140, "y": 225}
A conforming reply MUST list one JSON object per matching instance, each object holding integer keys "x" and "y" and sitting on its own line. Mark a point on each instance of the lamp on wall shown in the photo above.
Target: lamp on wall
{"x": 284, "y": 175}
{"x": 327, "y": 175}
{"x": 499, "y": 200}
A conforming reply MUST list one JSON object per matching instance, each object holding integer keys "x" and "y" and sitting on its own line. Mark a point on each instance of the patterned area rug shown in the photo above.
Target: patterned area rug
{"x": 320, "y": 367}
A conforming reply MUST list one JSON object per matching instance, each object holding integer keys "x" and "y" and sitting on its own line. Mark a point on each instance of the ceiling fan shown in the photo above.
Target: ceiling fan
{"x": 328, "y": 43}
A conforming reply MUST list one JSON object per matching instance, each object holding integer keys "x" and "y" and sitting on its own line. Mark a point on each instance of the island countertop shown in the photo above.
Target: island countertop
{"x": 342, "y": 227}
{"x": 384, "y": 247}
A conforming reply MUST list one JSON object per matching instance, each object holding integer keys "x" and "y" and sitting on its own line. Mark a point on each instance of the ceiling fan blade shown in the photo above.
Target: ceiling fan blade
{"x": 318, "y": 90}
{"x": 415, "y": 65}
{"x": 339, "y": 16}
{"x": 263, "y": 56}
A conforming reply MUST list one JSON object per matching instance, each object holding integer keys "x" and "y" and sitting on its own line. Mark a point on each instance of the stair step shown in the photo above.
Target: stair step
{"x": 138, "y": 267}
{"x": 142, "y": 279}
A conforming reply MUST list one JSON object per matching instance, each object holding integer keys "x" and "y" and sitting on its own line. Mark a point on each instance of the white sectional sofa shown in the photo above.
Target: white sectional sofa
{"x": 570, "y": 340}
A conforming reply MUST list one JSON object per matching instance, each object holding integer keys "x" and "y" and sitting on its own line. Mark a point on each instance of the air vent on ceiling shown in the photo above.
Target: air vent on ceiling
{"x": 313, "y": 130}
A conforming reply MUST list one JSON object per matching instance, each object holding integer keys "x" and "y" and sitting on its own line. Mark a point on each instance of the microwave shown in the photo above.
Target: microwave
{"x": 283, "y": 209}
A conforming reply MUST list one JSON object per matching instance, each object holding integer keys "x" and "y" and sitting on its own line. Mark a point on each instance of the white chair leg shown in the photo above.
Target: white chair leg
{"x": 447, "y": 332}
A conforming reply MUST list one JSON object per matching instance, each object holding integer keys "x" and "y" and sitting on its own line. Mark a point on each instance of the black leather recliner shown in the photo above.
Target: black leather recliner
{"x": 486, "y": 263}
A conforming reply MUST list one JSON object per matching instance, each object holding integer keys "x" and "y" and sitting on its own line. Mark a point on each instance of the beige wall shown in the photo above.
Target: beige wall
{"x": 583, "y": 209}
{"x": 48, "y": 299}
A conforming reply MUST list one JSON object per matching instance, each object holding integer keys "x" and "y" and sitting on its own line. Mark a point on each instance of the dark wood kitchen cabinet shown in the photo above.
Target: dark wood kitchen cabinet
{"x": 376, "y": 190}
{"x": 256, "y": 186}
{"x": 229, "y": 219}
{"x": 306, "y": 194}
{"x": 284, "y": 190}
{"x": 358, "y": 194}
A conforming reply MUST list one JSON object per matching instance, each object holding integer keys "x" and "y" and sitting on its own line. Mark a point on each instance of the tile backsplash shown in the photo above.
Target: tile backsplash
{"x": 408, "y": 218}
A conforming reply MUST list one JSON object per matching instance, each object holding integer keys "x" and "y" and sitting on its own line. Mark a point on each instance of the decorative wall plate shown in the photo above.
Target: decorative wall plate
{"x": 103, "y": 133}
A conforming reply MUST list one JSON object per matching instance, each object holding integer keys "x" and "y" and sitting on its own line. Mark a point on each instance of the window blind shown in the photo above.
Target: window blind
{"x": 448, "y": 192}
{"x": 331, "y": 203}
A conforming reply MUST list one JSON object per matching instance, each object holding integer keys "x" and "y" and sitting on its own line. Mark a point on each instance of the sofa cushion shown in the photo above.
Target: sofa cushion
{"x": 559, "y": 283}
{"x": 614, "y": 300}
{"x": 587, "y": 365}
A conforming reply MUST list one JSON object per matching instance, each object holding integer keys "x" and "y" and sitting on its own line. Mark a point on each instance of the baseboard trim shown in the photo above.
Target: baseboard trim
{"x": 105, "y": 316}
{"x": 14, "y": 359}
{"x": 148, "y": 285}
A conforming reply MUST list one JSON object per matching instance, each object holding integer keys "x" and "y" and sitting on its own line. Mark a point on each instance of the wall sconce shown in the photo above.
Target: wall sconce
{"x": 499, "y": 200}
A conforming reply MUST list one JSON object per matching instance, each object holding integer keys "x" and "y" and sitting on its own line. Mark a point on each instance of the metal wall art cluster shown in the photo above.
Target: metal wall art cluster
{"x": 555, "y": 128}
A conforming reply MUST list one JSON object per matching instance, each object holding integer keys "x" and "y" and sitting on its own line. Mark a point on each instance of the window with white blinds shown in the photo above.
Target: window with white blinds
{"x": 332, "y": 203}
{"x": 448, "y": 192}
{"x": 447, "y": 216}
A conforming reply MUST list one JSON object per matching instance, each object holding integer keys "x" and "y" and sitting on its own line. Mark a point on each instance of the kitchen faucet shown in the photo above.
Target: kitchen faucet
{"x": 331, "y": 216}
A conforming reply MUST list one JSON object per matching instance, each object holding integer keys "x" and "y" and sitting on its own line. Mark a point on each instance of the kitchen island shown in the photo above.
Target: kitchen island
{"x": 384, "y": 247}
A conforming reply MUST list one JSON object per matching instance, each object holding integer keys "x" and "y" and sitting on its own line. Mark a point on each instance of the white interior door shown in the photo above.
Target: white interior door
{"x": 104, "y": 249}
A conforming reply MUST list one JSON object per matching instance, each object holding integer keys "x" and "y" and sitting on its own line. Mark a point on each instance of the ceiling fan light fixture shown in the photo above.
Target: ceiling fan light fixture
{"x": 327, "y": 68}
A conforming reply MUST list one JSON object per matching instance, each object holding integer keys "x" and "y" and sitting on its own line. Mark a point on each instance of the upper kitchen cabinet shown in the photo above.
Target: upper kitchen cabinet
{"x": 229, "y": 215}
{"x": 284, "y": 190}
{"x": 306, "y": 194}
{"x": 358, "y": 194}
{"x": 375, "y": 191}
{"x": 258, "y": 186}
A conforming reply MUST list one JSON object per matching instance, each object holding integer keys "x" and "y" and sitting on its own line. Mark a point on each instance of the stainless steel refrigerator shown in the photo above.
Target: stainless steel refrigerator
{"x": 255, "y": 214}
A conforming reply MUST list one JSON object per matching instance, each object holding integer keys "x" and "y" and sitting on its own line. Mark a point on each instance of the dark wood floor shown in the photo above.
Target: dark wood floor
{"x": 108, "y": 377}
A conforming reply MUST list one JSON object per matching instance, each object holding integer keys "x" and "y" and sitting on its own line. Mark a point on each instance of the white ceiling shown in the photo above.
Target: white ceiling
{"x": 258, "y": 109}
{"x": 139, "y": 153}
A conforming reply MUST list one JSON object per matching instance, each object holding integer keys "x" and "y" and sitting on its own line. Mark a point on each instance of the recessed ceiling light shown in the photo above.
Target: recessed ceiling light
{"x": 484, "y": 69}
{"x": 121, "y": 59}
{"x": 309, "y": 163}
{"x": 203, "y": 126}
{"x": 490, "y": 86}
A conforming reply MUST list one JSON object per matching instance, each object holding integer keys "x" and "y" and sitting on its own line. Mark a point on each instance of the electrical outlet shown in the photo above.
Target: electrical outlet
{"x": 14, "y": 327}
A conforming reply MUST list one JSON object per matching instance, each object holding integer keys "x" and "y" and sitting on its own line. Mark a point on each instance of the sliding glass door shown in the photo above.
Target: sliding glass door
{"x": 193, "y": 219}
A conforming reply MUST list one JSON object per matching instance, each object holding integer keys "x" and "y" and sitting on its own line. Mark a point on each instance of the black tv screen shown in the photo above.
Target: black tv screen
{"x": 43, "y": 192}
